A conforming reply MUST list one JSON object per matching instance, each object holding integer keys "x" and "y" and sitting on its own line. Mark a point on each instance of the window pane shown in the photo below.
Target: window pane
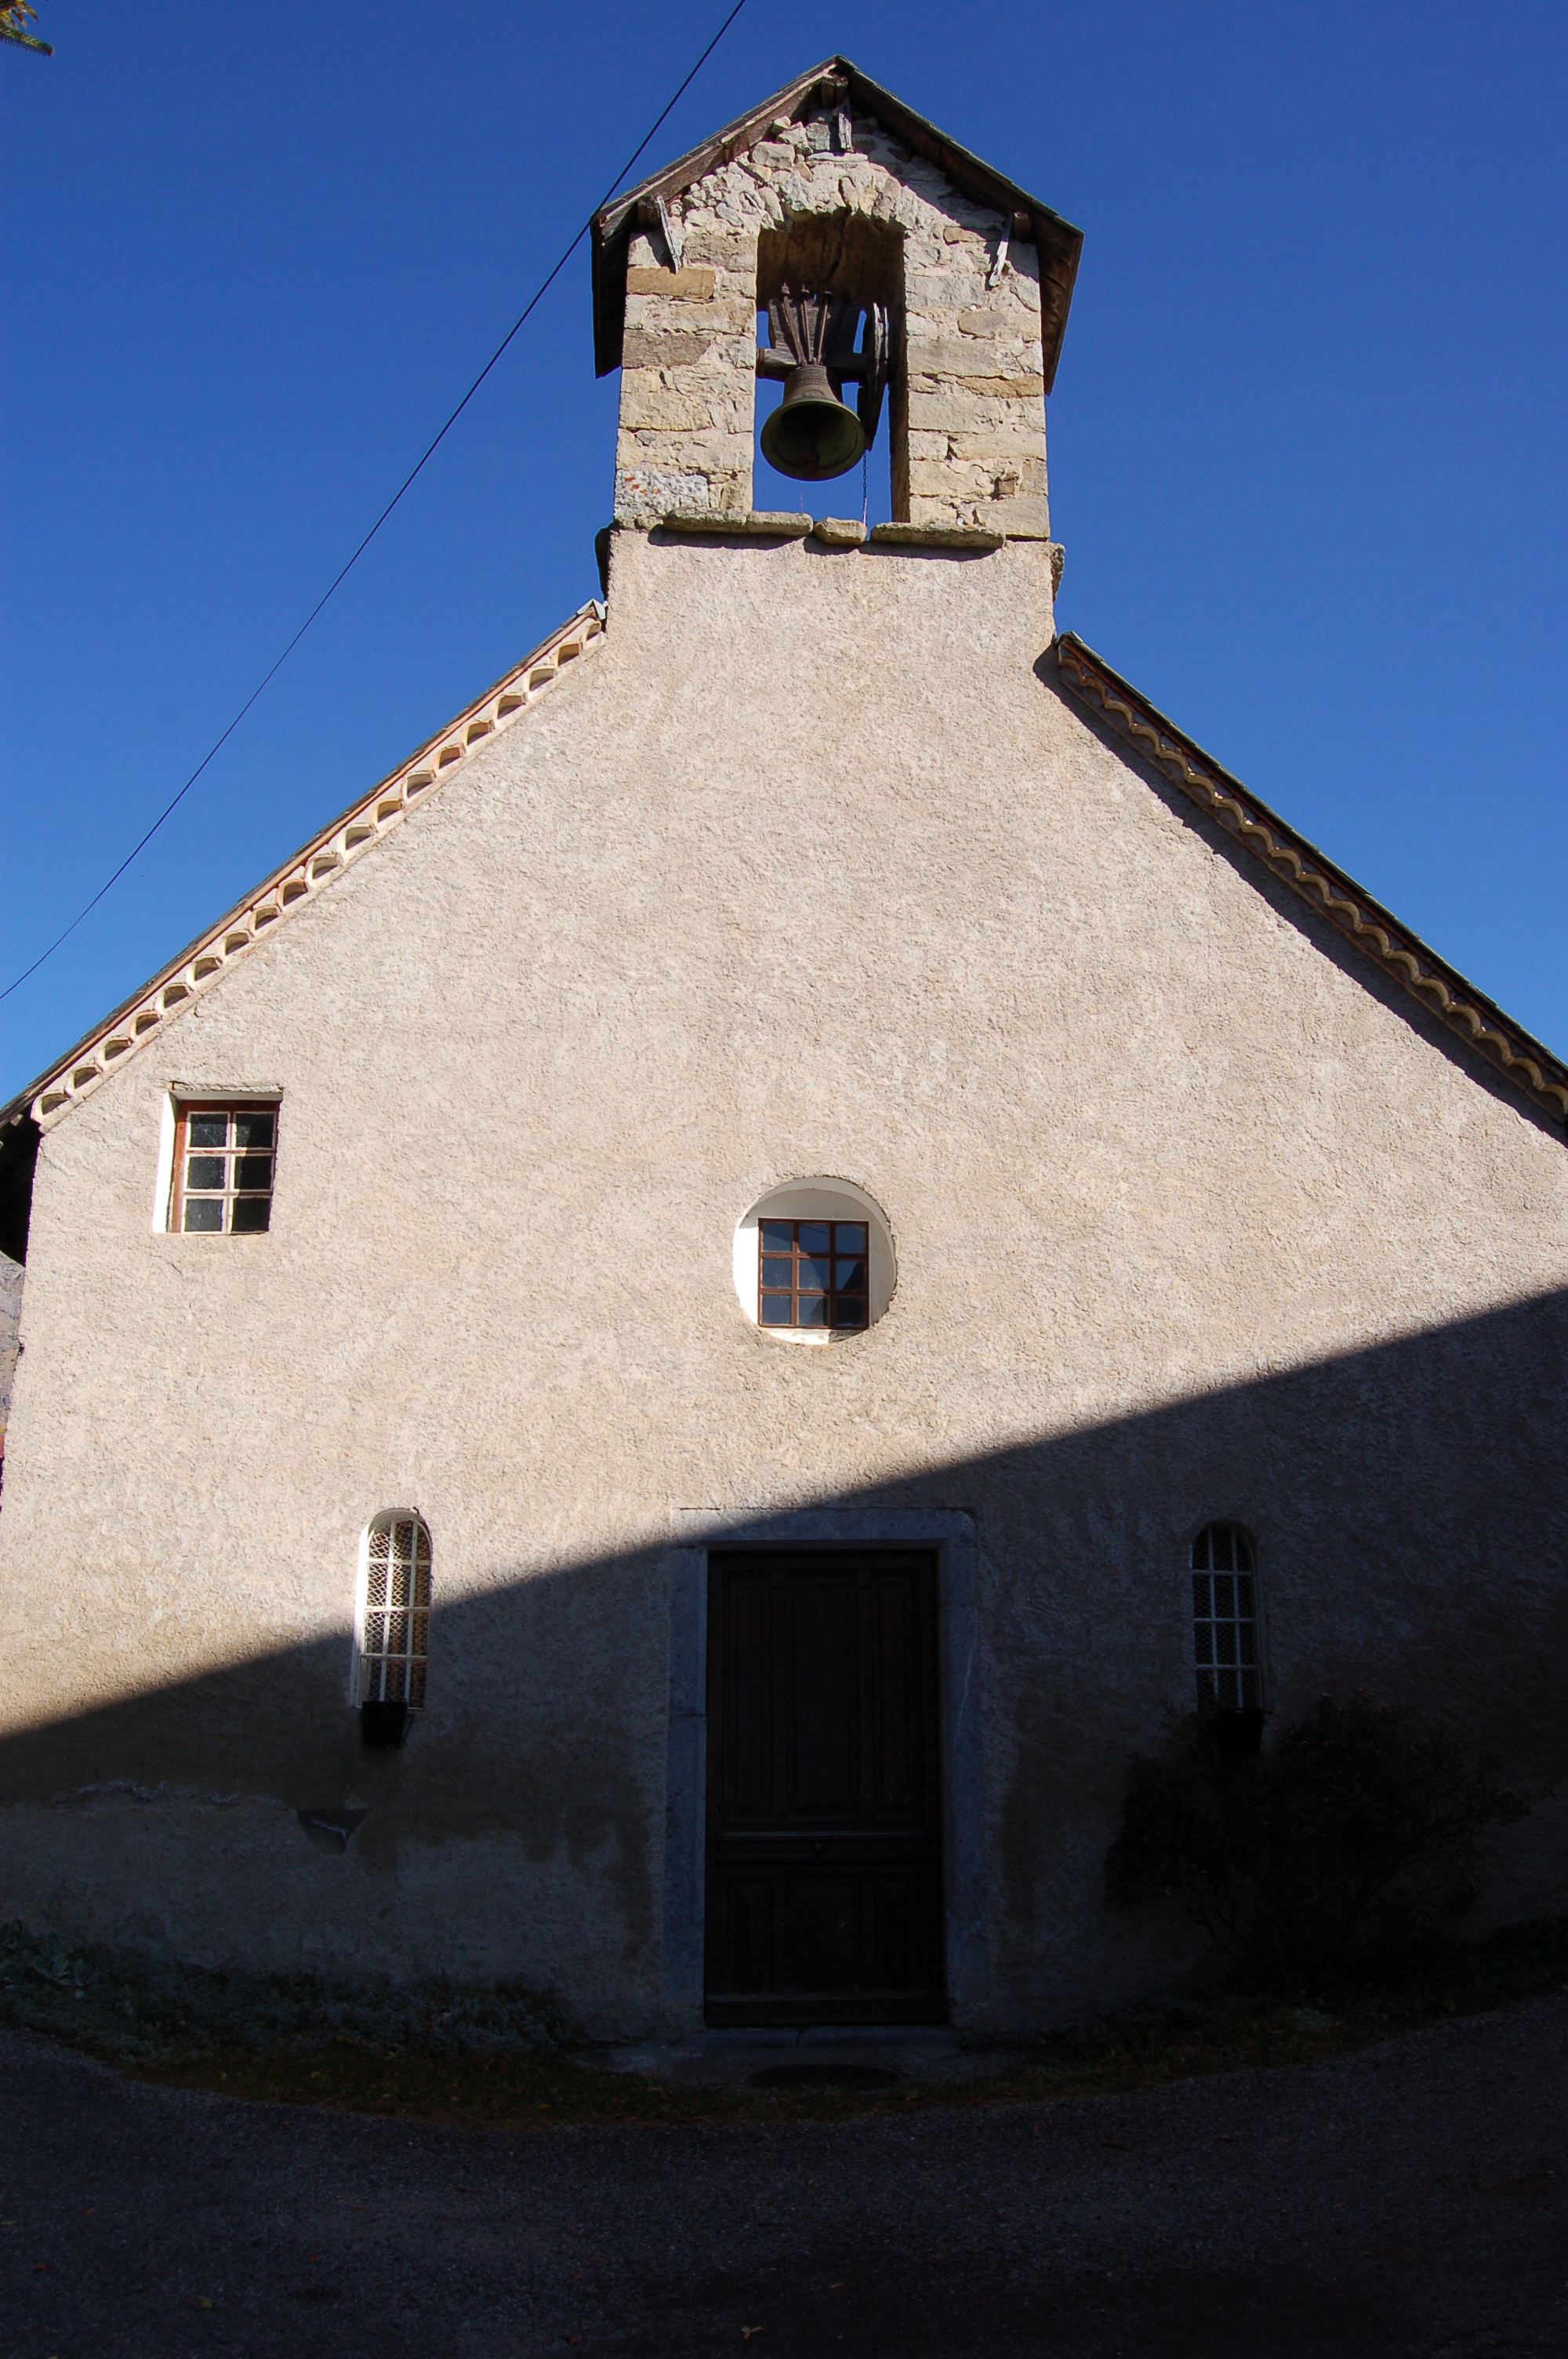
{"x": 1224, "y": 1594}
{"x": 1200, "y": 1593}
{"x": 777, "y": 1237}
{"x": 253, "y": 1213}
{"x": 209, "y": 1130}
{"x": 204, "y": 1171}
{"x": 417, "y": 1683}
{"x": 400, "y": 1585}
{"x": 814, "y": 1236}
{"x": 775, "y": 1271}
{"x": 422, "y": 1580}
{"x": 850, "y": 1236}
{"x": 775, "y": 1310}
{"x": 1244, "y": 1595}
{"x": 851, "y": 1275}
{"x": 204, "y": 1212}
{"x": 253, "y": 1171}
{"x": 1204, "y": 1638}
{"x": 375, "y": 1587}
{"x": 812, "y": 1310}
{"x": 253, "y": 1129}
{"x": 1225, "y": 1642}
{"x": 849, "y": 1311}
{"x": 814, "y": 1273}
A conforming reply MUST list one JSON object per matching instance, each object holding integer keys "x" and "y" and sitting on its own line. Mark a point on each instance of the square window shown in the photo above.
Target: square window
{"x": 823, "y": 1263}
{"x": 223, "y": 1184}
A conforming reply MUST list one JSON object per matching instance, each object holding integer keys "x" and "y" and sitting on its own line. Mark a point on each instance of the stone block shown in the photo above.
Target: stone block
{"x": 664, "y": 348}
{"x": 1026, "y": 518}
{"x": 687, "y": 284}
{"x": 949, "y": 480}
{"x": 954, "y": 413}
{"x": 1012, "y": 388}
{"x": 664, "y": 411}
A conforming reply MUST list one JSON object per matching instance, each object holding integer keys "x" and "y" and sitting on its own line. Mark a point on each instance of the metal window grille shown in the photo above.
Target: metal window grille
{"x": 1225, "y": 1618}
{"x": 223, "y": 1162}
{"x": 812, "y": 1273}
{"x": 394, "y": 1641}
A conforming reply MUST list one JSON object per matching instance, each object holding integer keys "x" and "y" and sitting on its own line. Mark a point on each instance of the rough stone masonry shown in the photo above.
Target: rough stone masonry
{"x": 967, "y": 414}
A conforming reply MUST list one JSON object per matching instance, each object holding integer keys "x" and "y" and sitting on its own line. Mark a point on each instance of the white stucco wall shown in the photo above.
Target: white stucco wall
{"x": 811, "y": 870}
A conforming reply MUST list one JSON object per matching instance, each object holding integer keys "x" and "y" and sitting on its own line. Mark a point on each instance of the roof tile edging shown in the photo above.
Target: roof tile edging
{"x": 318, "y": 863}
{"x": 1533, "y": 1069}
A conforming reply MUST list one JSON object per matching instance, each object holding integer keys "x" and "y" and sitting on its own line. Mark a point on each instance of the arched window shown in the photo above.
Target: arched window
{"x": 1225, "y": 1618}
{"x": 395, "y": 1621}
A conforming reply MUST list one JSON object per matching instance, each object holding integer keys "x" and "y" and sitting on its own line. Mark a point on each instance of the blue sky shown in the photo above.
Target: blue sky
{"x": 1306, "y": 445}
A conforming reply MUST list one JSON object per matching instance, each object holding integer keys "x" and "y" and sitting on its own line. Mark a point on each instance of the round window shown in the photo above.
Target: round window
{"x": 814, "y": 1262}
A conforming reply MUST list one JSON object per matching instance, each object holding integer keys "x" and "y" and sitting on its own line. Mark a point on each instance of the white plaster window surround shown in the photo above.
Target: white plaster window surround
{"x": 225, "y": 1161}
{"x": 176, "y": 1098}
{"x": 819, "y": 1200}
{"x": 392, "y": 1611}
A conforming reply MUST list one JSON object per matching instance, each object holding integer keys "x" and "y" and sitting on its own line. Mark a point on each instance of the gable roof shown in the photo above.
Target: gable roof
{"x": 834, "y": 81}
{"x": 316, "y": 865}
{"x": 1439, "y": 987}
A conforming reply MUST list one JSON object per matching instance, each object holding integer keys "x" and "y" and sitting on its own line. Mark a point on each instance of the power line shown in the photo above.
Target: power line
{"x": 427, "y": 454}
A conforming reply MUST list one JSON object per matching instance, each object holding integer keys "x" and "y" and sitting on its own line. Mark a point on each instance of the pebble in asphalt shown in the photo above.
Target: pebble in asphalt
{"x": 1408, "y": 2199}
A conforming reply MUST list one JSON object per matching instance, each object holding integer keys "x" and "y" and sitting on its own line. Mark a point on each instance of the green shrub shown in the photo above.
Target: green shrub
{"x": 1356, "y": 1828}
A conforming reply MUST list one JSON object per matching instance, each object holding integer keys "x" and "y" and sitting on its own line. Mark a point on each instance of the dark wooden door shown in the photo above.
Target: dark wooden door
{"x": 823, "y": 1857}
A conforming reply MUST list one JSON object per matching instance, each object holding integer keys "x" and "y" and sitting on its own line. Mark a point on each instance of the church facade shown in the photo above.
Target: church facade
{"x": 649, "y": 1369}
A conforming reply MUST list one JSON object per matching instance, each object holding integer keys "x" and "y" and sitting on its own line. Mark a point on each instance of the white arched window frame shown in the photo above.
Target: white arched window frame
{"x": 1227, "y": 1618}
{"x": 815, "y": 1200}
{"x": 392, "y": 1618}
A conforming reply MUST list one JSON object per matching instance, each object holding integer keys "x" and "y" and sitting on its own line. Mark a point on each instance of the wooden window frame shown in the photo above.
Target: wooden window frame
{"x": 832, "y": 1296}
{"x": 396, "y": 1669}
{"x": 1227, "y": 1621}
{"x": 181, "y": 1193}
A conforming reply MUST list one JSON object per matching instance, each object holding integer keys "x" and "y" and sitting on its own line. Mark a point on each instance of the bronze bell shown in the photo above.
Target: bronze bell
{"x": 812, "y": 434}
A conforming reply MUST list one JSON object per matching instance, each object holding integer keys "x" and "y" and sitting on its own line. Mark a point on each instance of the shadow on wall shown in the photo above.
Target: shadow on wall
{"x": 1411, "y": 1508}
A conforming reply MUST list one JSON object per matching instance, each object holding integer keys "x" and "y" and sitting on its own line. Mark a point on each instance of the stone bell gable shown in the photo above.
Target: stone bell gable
{"x": 832, "y": 184}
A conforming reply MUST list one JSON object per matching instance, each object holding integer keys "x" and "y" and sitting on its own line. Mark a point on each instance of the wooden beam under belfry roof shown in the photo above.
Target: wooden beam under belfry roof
{"x": 1058, "y": 242}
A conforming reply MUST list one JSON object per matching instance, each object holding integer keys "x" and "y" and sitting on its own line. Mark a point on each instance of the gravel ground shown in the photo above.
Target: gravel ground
{"x": 1407, "y": 2199}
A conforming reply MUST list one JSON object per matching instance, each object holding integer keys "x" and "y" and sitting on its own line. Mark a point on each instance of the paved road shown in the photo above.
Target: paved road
{"x": 1406, "y": 2200}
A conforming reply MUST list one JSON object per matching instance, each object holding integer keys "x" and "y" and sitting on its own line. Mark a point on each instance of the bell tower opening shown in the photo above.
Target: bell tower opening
{"x": 830, "y": 310}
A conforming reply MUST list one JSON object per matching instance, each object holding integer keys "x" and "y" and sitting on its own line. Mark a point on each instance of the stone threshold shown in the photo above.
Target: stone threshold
{"x": 727, "y": 2059}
